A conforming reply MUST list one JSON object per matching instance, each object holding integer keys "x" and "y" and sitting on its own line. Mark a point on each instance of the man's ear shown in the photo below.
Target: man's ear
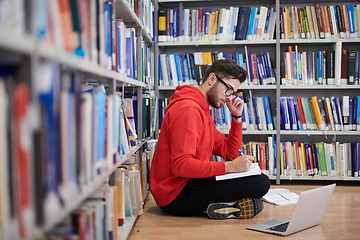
{"x": 211, "y": 79}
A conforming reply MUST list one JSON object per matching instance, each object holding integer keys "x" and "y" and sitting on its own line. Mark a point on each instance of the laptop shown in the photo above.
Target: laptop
{"x": 308, "y": 212}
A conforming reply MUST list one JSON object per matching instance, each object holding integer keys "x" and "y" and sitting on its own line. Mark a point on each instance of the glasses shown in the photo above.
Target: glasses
{"x": 229, "y": 91}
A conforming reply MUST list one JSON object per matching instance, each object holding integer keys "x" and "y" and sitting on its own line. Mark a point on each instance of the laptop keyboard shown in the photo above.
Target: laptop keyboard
{"x": 280, "y": 228}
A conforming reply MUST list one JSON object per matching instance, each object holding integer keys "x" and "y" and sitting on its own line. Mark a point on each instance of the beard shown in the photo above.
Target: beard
{"x": 212, "y": 97}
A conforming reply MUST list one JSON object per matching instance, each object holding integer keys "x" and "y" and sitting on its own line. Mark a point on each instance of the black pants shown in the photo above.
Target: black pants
{"x": 198, "y": 193}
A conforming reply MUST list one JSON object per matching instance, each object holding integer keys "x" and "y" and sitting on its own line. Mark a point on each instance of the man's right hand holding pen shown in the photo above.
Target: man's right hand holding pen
{"x": 239, "y": 164}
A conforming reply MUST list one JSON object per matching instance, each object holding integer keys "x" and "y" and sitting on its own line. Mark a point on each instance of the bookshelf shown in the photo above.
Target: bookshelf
{"x": 47, "y": 170}
{"x": 276, "y": 46}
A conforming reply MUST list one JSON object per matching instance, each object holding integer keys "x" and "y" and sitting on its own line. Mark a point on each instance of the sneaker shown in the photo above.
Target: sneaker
{"x": 242, "y": 209}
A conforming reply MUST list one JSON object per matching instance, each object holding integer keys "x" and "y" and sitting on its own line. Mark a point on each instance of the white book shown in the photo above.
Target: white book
{"x": 316, "y": 29}
{"x": 254, "y": 170}
{"x": 109, "y": 131}
{"x": 175, "y": 80}
{"x": 261, "y": 24}
{"x": 164, "y": 71}
{"x": 348, "y": 159}
{"x": 272, "y": 26}
{"x": 271, "y": 155}
{"x": 86, "y": 136}
{"x": 235, "y": 18}
{"x": 194, "y": 17}
{"x": 333, "y": 22}
{"x": 345, "y": 112}
{"x": 135, "y": 191}
{"x": 344, "y": 158}
{"x": 280, "y": 197}
{"x": 262, "y": 114}
{"x": 186, "y": 36}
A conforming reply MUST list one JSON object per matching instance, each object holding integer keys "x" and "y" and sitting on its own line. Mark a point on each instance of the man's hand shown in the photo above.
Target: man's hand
{"x": 239, "y": 164}
{"x": 236, "y": 106}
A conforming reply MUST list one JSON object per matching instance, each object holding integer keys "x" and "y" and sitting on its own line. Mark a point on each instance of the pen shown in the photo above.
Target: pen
{"x": 241, "y": 153}
{"x": 284, "y": 197}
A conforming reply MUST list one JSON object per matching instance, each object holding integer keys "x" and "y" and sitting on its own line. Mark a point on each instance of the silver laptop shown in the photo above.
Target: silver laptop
{"x": 310, "y": 203}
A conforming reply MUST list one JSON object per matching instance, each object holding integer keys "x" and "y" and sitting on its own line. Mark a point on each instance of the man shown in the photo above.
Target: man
{"x": 182, "y": 173}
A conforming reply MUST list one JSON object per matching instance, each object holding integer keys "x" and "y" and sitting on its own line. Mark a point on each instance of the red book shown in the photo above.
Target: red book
{"x": 22, "y": 157}
{"x": 298, "y": 160}
{"x": 344, "y": 63}
{"x": 301, "y": 113}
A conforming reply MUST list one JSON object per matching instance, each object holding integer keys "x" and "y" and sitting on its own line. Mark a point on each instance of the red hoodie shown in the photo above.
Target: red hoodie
{"x": 187, "y": 140}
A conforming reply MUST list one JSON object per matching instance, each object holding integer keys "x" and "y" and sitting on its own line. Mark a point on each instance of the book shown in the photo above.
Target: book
{"x": 280, "y": 197}
{"x": 254, "y": 170}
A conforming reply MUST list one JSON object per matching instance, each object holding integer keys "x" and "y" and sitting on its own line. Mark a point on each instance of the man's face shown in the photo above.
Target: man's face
{"x": 220, "y": 92}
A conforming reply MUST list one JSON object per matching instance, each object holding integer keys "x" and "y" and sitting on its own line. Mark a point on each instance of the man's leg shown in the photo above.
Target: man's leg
{"x": 199, "y": 193}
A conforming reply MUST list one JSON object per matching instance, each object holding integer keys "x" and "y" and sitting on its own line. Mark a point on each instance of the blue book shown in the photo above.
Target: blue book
{"x": 175, "y": 32}
{"x": 250, "y": 119}
{"x": 351, "y": 113}
{"x": 207, "y": 13}
{"x": 265, "y": 65}
{"x": 101, "y": 103}
{"x": 320, "y": 67}
{"x": 295, "y": 67}
{"x": 351, "y": 19}
{"x": 108, "y": 38}
{"x": 307, "y": 157}
{"x": 268, "y": 115}
{"x": 130, "y": 53}
{"x": 355, "y": 106}
{"x": 242, "y": 23}
{"x": 355, "y": 158}
{"x": 257, "y": 112}
{"x": 184, "y": 69}
{"x": 248, "y": 65}
{"x": 251, "y": 23}
{"x": 161, "y": 78}
{"x": 297, "y": 114}
{"x": 260, "y": 68}
{"x": 240, "y": 60}
{"x": 292, "y": 114}
{"x": 178, "y": 68}
{"x": 49, "y": 101}
{"x": 358, "y": 114}
{"x": 285, "y": 119}
{"x": 271, "y": 69}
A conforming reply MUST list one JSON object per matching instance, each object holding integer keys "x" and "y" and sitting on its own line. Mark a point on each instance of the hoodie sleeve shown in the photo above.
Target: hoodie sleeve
{"x": 228, "y": 147}
{"x": 192, "y": 141}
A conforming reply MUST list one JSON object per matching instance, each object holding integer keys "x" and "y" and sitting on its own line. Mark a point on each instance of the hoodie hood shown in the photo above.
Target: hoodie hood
{"x": 188, "y": 92}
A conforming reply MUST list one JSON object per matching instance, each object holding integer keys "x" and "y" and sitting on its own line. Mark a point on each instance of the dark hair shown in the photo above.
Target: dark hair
{"x": 225, "y": 68}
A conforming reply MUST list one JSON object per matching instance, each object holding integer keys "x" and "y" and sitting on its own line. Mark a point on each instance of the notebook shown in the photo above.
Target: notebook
{"x": 308, "y": 212}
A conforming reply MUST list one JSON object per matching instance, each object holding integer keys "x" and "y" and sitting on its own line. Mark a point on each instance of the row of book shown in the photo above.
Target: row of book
{"x": 256, "y": 115}
{"x": 189, "y": 69}
{"x": 144, "y": 10}
{"x": 318, "y": 68}
{"x": 320, "y": 22}
{"x": 88, "y": 29}
{"x": 58, "y": 142}
{"x": 203, "y": 24}
{"x": 320, "y": 114}
{"x": 305, "y": 159}
{"x": 100, "y": 215}
{"x": 320, "y": 159}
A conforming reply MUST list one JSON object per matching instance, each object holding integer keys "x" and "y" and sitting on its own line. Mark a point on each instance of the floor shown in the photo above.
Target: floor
{"x": 341, "y": 221}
